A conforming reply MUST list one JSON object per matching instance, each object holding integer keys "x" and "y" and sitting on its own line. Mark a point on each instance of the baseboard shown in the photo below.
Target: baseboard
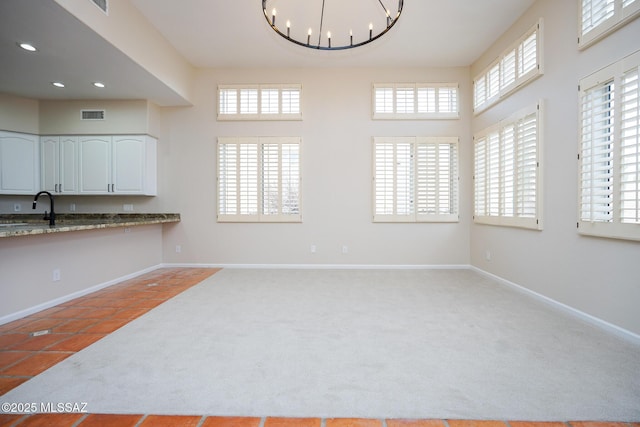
{"x": 581, "y": 315}
{"x": 52, "y": 303}
{"x": 324, "y": 266}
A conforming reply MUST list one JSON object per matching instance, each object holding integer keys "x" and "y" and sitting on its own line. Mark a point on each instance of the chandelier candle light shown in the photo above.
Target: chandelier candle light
{"x": 293, "y": 10}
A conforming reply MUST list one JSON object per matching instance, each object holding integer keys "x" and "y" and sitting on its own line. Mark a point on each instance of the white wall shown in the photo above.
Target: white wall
{"x": 121, "y": 117}
{"x": 598, "y": 276}
{"x": 84, "y": 258}
{"x": 336, "y": 171}
{"x": 19, "y": 114}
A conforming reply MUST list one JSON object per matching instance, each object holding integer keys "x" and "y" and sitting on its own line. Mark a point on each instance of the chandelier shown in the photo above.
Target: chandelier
{"x": 353, "y": 23}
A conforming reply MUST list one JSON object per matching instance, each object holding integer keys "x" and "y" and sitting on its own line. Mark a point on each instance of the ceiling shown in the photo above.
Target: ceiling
{"x": 229, "y": 33}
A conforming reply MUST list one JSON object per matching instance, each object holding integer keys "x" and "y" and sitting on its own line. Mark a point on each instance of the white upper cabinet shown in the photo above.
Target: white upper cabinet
{"x": 122, "y": 164}
{"x": 19, "y": 163}
{"x": 59, "y": 164}
{"x": 95, "y": 165}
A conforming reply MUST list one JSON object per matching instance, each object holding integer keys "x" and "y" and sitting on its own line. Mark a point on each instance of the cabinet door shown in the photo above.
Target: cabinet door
{"x": 95, "y": 165}
{"x": 129, "y": 164}
{"x": 68, "y": 166}
{"x": 49, "y": 163}
{"x": 19, "y": 163}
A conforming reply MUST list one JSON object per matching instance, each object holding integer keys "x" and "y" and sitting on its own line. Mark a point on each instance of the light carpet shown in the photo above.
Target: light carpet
{"x": 352, "y": 343}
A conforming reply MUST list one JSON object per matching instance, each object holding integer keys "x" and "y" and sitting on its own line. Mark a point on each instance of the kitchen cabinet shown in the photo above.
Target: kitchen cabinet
{"x": 119, "y": 164}
{"x": 19, "y": 166}
{"x": 59, "y": 164}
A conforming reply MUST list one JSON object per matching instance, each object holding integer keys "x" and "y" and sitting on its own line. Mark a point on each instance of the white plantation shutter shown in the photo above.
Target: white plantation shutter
{"x": 597, "y": 153}
{"x": 448, "y": 100}
{"x": 528, "y": 55}
{"x": 415, "y": 179}
{"x": 506, "y": 172}
{"x": 291, "y": 101}
{"x": 259, "y": 179}
{"x": 270, "y": 101}
{"x": 508, "y": 69}
{"x": 630, "y": 148}
{"x": 404, "y": 100}
{"x": 248, "y": 101}
{"x": 415, "y": 101}
{"x": 384, "y": 100}
{"x": 426, "y": 100}
{"x": 526, "y": 176}
{"x": 609, "y": 152}
{"x": 436, "y": 178}
{"x": 228, "y": 101}
{"x": 259, "y": 102}
{"x": 516, "y": 66}
{"x": 599, "y": 18}
{"x": 480, "y": 177}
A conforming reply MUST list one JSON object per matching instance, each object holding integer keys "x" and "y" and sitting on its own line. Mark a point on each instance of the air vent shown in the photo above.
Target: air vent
{"x": 92, "y": 115}
{"x": 102, "y": 4}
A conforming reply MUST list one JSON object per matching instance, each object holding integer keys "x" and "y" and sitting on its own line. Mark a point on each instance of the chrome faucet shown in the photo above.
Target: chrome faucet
{"x": 52, "y": 214}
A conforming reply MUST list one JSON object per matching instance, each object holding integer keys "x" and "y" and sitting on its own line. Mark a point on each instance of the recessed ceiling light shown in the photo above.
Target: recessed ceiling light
{"x": 98, "y": 84}
{"x": 58, "y": 84}
{"x": 27, "y": 46}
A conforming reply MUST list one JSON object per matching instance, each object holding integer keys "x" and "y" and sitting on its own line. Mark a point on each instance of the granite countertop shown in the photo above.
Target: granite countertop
{"x": 12, "y": 225}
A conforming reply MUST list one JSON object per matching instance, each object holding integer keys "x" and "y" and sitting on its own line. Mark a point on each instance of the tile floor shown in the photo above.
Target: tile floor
{"x": 33, "y": 344}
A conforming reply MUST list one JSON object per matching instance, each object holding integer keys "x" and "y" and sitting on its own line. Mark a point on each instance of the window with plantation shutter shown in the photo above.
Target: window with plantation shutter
{"x": 599, "y": 18}
{"x": 516, "y": 66}
{"x": 415, "y": 179}
{"x": 259, "y": 179}
{"x": 609, "y": 152}
{"x": 420, "y": 101}
{"x": 507, "y": 175}
{"x": 259, "y": 102}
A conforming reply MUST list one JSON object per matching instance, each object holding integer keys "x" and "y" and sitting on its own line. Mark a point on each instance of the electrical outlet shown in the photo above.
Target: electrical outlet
{"x": 55, "y": 275}
{"x": 72, "y": 207}
{"x": 313, "y": 249}
{"x": 17, "y": 207}
{"x": 345, "y": 249}
{"x": 127, "y": 230}
{"x": 487, "y": 255}
{"x": 127, "y": 207}
{"x": 178, "y": 249}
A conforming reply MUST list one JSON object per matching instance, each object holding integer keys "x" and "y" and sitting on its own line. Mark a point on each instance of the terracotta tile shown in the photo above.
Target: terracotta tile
{"x": 40, "y": 342}
{"x": 39, "y": 325}
{"x": 47, "y": 313}
{"x": 108, "y": 420}
{"x": 106, "y": 326}
{"x": 76, "y": 342}
{"x": 148, "y": 303}
{"x": 596, "y": 424}
{"x": 129, "y": 313}
{"x": 75, "y": 325}
{"x": 12, "y": 326}
{"x": 353, "y": 422}
{"x": 171, "y": 421}
{"x": 536, "y": 424}
{"x": 35, "y": 364}
{"x": 71, "y": 312}
{"x": 9, "y": 383}
{"x": 10, "y": 357}
{"x": 292, "y": 422}
{"x": 476, "y": 423}
{"x": 7, "y": 420}
{"x": 231, "y": 422}
{"x": 98, "y": 313}
{"x": 415, "y": 423}
{"x": 46, "y": 420}
{"x": 9, "y": 340}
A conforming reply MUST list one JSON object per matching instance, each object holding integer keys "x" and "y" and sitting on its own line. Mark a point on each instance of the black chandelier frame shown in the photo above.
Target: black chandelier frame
{"x": 391, "y": 21}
